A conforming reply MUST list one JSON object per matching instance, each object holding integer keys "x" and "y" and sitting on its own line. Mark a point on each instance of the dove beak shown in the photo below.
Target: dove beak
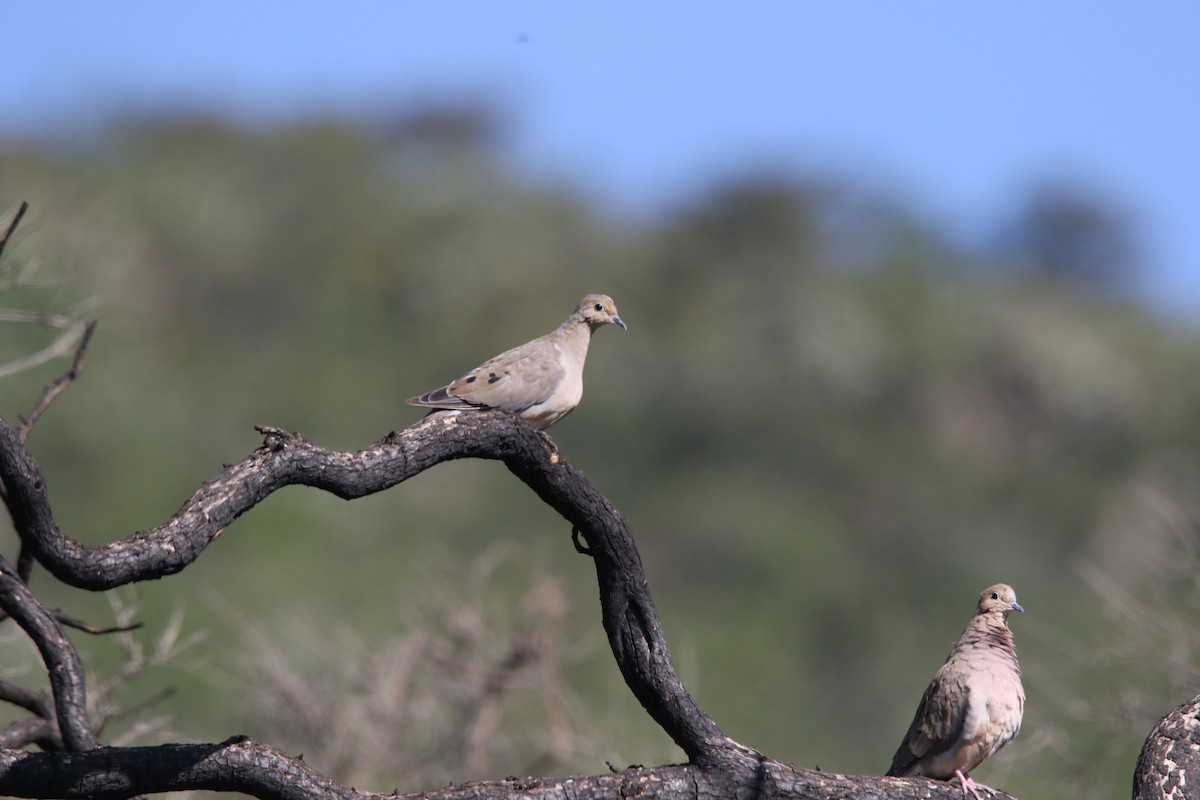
{"x": 1017, "y": 607}
{"x": 620, "y": 322}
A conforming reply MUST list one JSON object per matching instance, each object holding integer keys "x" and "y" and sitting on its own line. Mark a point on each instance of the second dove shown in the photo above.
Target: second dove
{"x": 975, "y": 702}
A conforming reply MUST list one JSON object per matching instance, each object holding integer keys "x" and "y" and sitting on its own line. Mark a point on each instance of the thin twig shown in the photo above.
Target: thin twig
{"x": 55, "y": 389}
{"x": 80, "y": 625}
{"x": 60, "y": 322}
{"x": 150, "y": 702}
{"x": 58, "y": 348}
{"x": 35, "y": 702}
{"x": 12, "y": 226}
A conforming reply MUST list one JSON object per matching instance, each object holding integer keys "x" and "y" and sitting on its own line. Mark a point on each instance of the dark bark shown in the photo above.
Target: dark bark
{"x": 40, "y": 729}
{"x": 235, "y": 765}
{"x": 1169, "y": 765}
{"x": 244, "y": 765}
{"x": 58, "y": 654}
{"x": 633, "y": 626}
{"x": 719, "y": 767}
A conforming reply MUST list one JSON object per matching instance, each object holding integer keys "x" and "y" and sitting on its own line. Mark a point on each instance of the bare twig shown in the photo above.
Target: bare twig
{"x": 58, "y": 386}
{"x": 79, "y": 625}
{"x": 12, "y": 225}
{"x": 23, "y": 316}
{"x": 31, "y": 730}
{"x": 40, "y": 729}
{"x": 467, "y": 689}
{"x": 68, "y": 320}
{"x": 138, "y": 708}
{"x": 56, "y": 349}
{"x": 33, "y": 702}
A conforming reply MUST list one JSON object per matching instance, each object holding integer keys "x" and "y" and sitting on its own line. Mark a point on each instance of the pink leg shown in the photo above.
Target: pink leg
{"x": 970, "y": 785}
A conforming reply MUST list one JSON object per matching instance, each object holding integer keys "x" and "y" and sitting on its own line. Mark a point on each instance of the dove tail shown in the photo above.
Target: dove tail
{"x": 440, "y": 398}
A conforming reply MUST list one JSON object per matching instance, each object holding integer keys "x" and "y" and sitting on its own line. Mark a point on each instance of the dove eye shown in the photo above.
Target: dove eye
{"x": 995, "y": 595}
{"x": 598, "y": 307}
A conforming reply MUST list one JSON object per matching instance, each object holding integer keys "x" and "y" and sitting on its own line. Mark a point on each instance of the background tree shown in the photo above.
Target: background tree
{"x": 1068, "y": 232}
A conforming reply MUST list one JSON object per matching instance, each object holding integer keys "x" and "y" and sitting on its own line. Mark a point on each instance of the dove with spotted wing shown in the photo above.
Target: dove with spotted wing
{"x": 974, "y": 704}
{"x": 541, "y": 380}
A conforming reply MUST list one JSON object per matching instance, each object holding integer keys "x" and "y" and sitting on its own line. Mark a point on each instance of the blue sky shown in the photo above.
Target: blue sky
{"x": 958, "y": 107}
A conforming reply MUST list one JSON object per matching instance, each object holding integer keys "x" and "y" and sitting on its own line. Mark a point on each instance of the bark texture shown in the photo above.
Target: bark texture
{"x": 717, "y": 766}
{"x": 1169, "y": 765}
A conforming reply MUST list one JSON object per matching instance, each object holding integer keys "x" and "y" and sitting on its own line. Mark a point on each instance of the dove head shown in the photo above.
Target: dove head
{"x": 597, "y": 310}
{"x": 998, "y": 599}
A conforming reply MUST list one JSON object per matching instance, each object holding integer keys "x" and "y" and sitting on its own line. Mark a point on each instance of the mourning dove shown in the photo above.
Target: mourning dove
{"x": 974, "y": 705}
{"x": 541, "y": 380}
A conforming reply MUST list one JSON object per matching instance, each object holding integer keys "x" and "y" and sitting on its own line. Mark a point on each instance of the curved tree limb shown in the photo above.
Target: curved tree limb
{"x": 633, "y": 627}
{"x": 58, "y": 654}
{"x": 40, "y": 729}
{"x": 718, "y": 765}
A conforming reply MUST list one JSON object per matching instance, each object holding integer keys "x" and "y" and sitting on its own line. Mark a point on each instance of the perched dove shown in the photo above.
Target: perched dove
{"x": 974, "y": 705}
{"x": 541, "y": 380}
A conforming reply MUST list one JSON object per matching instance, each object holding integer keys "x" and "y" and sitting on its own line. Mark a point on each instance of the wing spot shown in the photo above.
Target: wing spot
{"x": 470, "y": 379}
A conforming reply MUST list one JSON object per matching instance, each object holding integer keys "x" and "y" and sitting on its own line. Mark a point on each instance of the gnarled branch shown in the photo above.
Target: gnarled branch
{"x": 633, "y": 626}
{"x": 58, "y": 654}
{"x": 718, "y": 765}
{"x": 244, "y": 765}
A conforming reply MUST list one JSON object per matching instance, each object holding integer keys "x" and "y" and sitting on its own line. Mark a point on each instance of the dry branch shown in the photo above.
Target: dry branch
{"x": 242, "y": 764}
{"x": 63, "y": 381}
{"x": 718, "y": 766}
{"x": 58, "y": 654}
{"x": 630, "y": 619}
{"x": 12, "y": 225}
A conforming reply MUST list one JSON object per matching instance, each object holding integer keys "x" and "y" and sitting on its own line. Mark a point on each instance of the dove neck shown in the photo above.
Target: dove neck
{"x": 576, "y": 335}
{"x": 990, "y": 630}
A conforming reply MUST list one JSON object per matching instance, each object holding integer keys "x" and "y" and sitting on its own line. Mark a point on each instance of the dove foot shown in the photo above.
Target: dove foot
{"x": 550, "y": 444}
{"x": 970, "y": 785}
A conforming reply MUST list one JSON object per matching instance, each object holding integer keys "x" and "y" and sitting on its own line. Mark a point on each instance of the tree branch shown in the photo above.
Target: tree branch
{"x": 238, "y": 764}
{"x": 40, "y": 729}
{"x": 66, "y": 379}
{"x": 244, "y": 765}
{"x": 56, "y": 349}
{"x": 62, "y": 662}
{"x": 12, "y": 225}
{"x": 719, "y": 766}
{"x": 31, "y": 730}
{"x": 630, "y": 619}
{"x": 34, "y": 702}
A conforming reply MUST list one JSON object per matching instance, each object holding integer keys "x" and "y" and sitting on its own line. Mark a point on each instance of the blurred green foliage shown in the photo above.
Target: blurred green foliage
{"x": 829, "y": 426}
